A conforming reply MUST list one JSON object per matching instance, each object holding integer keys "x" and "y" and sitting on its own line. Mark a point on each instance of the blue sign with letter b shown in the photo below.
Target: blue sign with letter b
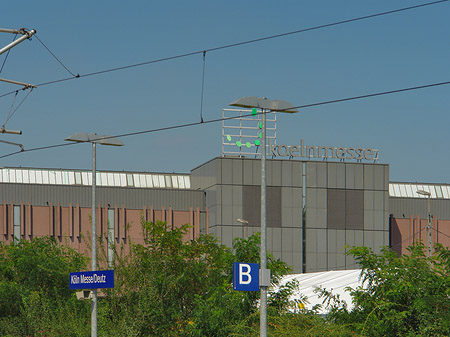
{"x": 245, "y": 276}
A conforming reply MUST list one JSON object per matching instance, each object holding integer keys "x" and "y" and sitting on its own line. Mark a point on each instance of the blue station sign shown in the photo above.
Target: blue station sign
{"x": 92, "y": 279}
{"x": 245, "y": 276}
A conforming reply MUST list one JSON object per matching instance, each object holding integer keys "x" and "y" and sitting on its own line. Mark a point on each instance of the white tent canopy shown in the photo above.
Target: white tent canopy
{"x": 334, "y": 281}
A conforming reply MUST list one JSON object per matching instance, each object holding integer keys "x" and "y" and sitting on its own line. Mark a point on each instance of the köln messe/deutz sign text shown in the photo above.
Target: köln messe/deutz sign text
{"x": 325, "y": 152}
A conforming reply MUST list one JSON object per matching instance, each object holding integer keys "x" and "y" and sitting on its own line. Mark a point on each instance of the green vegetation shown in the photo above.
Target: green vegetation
{"x": 167, "y": 287}
{"x": 170, "y": 288}
{"x": 403, "y": 296}
{"x": 34, "y": 295}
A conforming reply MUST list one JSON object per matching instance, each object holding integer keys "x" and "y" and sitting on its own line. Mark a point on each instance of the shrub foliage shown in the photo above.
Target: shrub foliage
{"x": 172, "y": 287}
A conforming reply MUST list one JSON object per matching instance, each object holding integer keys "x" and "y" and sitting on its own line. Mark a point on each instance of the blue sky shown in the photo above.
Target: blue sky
{"x": 395, "y": 51}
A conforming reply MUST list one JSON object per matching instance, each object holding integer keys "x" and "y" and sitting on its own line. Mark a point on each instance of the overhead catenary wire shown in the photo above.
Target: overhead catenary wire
{"x": 265, "y": 38}
{"x": 340, "y": 100}
{"x": 17, "y": 107}
{"x": 54, "y": 56}
{"x": 203, "y": 86}
{"x": 7, "y": 54}
{"x": 237, "y": 44}
{"x": 11, "y": 107}
{"x": 408, "y": 238}
{"x": 438, "y": 231}
{"x": 185, "y": 125}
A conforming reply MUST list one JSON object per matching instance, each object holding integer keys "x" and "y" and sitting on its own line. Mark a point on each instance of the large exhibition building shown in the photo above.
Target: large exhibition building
{"x": 320, "y": 199}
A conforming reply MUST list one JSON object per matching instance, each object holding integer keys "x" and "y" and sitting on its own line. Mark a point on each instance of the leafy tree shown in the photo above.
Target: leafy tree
{"x": 34, "y": 291}
{"x": 164, "y": 287}
{"x": 400, "y": 296}
{"x": 168, "y": 287}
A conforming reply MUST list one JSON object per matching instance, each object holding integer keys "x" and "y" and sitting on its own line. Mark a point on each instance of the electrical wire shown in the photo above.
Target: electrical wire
{"x": 438, "y": 231}
{"x": 370, "y": 95}
{"x": 203, "y": 85}
{"x": 328, "y": 25}
{"x": 7, "y": 54}
{"x": 237, "y": 44}
{"x": 17, "y": 107}
{"x": 8, "y": 93}
{"x": 264, "y": 38}
{"x": 179, "y": 126}
{"x": 11, "y": 107}
{"x": 408, "y": 238}
{"x": 54, "y": 56}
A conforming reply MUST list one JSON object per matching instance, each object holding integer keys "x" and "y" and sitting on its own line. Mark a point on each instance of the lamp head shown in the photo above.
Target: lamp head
{"x": 264, "y": 103}
{"x": 423, "y": 192}
{"x": 84, "y": 137}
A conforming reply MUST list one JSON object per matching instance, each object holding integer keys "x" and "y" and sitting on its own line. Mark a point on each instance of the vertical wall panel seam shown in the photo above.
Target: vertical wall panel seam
{"x": 124, "y": 221}
{"x": 207, "y": 221}
{"x": 197, "y": 223}
{"x": 28, "y": 224}
{"x": 11, "y": 221}
{"x": 4, "y": 217}
{"x": 50, "y": 220}
{"x": 22, "y": 220}
{"x": 70, "y": 221}
{"x": 144, "y": 213}
{"x": 77, "y": 225}
{"x": 117, "y": 223}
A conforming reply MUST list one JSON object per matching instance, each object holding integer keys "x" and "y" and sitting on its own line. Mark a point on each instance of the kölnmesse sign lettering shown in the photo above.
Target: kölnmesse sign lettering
{"x": 92, "y": 279}
{"x": 325, "y": 152}
{"x": 249, "y": 136}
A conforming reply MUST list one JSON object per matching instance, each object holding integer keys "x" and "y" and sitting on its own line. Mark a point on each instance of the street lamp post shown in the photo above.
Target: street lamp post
{"x": 266, "y": 105}
{"x": 429, "y": 226}
{"x": 244, "y": 222}
{"x": 95, "y": 139}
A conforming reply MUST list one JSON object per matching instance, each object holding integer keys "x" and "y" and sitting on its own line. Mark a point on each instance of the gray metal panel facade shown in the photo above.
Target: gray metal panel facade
{"x": 207, "y": 175}
{"x": 232, "y": 187}
{"x": 405, "y": 207}
{"x": 346, "y": 204}
{"x": 129, "y": 197}
{"x": 344, "y": 201}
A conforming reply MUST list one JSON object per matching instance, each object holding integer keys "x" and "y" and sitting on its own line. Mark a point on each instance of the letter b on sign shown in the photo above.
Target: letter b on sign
{"x": 244, "y": 273}
{"x": 246, "y": 276}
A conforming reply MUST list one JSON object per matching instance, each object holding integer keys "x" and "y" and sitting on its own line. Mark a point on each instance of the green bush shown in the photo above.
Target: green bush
{"x": 35, "y": 299}
{"x": 401, "y": 296}
{"x": 167, "y": 287}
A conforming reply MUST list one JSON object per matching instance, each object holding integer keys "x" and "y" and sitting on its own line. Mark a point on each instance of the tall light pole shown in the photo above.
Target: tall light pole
{"x": 429, "y": 226}
{"x": 95, "y": 139}
{"x": 244, "y": 222}
{"x": 266, "y": 105}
